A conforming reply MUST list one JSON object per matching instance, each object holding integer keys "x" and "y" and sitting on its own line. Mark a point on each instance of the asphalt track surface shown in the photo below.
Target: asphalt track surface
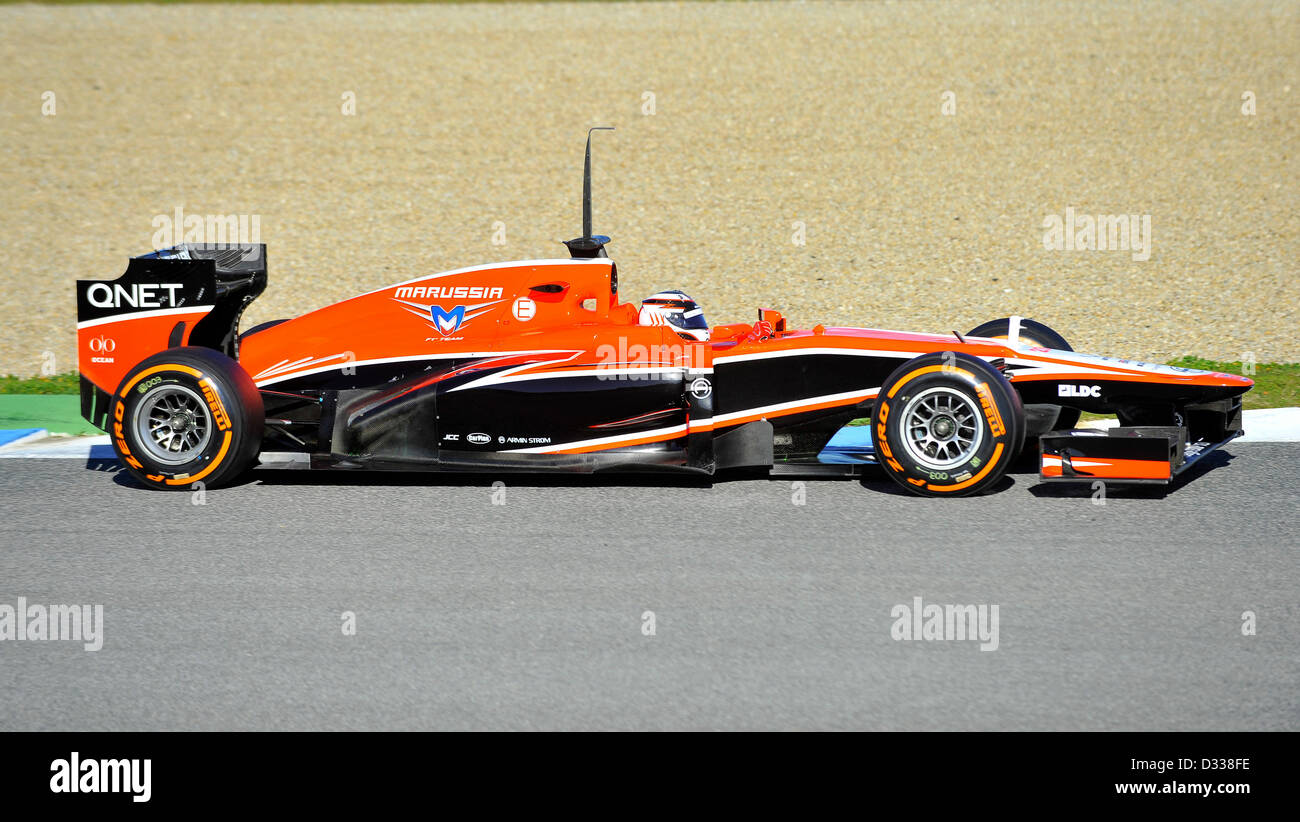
{"x": 768, "y": 614}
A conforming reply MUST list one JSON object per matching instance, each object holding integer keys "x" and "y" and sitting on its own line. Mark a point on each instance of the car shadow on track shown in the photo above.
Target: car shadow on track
{"x": 871, "y": 479}
{"x": 878, "y": 482}
{"x": 873, "y": 482}
{"x": 437, "y": 479}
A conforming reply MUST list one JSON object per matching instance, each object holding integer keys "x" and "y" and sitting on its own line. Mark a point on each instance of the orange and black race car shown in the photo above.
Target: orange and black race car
{"x": 539, "y": 366}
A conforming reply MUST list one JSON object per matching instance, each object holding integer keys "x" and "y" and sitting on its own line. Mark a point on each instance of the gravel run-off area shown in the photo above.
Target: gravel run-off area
{"x": 740, "y": 127}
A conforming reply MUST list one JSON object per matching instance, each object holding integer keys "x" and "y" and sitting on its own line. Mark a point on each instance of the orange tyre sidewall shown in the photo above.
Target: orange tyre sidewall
{"x": 994, "y": 452}
{"x": 137, "y": 460}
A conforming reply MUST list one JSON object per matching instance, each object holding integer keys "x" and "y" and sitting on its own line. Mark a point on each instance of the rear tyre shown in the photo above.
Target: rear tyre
{"x": 187, "y": 415}
{"x": 947, "y": 425}
{"x": 1038, "y": 334}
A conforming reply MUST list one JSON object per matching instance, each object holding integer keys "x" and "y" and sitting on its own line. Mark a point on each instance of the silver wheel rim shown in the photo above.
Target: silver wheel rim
{"x": 942, "y": 428}
{"x": 172, "y": 424}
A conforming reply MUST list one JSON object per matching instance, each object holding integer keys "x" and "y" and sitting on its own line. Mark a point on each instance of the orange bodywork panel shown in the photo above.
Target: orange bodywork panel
{"x": 1107, "y": 468}
{"x": 108, "y": 349}
{"x": 547, "y": 307}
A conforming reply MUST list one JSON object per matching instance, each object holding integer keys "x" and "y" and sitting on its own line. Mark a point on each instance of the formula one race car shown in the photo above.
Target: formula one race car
{"x": 538, "y": 366}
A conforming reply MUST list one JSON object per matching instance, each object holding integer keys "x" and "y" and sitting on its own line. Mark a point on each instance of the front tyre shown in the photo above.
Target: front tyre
{"x": 187, "y": 415}
{"x": 946, "y": 425}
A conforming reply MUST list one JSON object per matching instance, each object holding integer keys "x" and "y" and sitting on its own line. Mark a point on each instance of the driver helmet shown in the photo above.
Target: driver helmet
{"x": 676, "y": 309}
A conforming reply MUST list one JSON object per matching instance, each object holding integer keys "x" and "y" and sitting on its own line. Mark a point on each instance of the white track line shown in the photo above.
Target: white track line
{"x": 71, "y": 448}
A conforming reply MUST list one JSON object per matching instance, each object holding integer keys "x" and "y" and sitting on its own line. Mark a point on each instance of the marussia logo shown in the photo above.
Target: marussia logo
{"x": 443, "y": 320}
{"x": 1078, "y": 390}
{"x": 463, "y": 292}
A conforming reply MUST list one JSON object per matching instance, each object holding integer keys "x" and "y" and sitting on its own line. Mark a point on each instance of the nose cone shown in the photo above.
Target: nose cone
{"x": 1232, "y": 380}
{"x": 1215, "y": 385}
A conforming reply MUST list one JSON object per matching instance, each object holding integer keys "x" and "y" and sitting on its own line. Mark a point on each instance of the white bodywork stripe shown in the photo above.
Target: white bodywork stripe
{"x": 511, "y": 375}
{"x": 726, "y": 359}
{"x": 564, "y": 446}
{"x": 411, "y": 358}
{"x": 140, "y": 315}
{"x": 785, "y": 406}
{"x": 489, "y": 267}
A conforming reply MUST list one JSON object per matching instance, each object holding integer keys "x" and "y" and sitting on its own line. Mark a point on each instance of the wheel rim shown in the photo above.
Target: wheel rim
{"x": 941, "y": 428}
{"x": 172, "y": 424}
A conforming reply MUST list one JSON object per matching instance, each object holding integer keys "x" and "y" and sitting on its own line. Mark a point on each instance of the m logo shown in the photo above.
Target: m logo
{"x": 447, "y": 322}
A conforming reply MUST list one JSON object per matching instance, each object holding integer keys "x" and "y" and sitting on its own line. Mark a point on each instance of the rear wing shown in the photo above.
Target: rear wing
{"x": 192, "y": 294}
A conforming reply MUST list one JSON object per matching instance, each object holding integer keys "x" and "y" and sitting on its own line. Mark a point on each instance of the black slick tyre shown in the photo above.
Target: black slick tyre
{"x": 186, "y": 415}
{"x": 947, "y": 424}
